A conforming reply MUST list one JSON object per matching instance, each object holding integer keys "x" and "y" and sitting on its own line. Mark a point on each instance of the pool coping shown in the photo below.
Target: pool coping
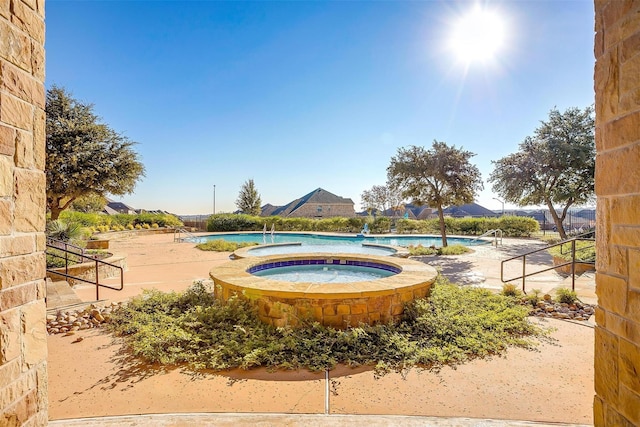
{"x": 241, "y": 253}
{"x": 344, "y": 304}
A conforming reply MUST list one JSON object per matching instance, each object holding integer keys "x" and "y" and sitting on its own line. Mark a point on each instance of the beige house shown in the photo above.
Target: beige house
{"x": 318, "y": 204}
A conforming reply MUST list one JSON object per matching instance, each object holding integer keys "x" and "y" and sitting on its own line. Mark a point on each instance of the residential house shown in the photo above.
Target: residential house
{"x": 318, "y": 204}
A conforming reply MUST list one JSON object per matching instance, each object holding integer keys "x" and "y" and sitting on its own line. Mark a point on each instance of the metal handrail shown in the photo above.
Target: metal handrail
{"x": 179, "y": 238}
{"x": 495, "y": 233}
{"x": 62, "y": 245}
{"x": 524, "y": 262}
{"x": 98, "y": 262}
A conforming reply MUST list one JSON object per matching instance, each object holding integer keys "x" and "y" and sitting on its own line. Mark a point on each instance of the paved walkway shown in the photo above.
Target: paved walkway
{"x": 299, "y": 420}
{"x": 156, "y": 261}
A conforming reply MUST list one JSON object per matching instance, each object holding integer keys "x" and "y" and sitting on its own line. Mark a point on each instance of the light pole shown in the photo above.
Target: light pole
{"x": 495, "y": 198}
{"x": 214, "y": 199}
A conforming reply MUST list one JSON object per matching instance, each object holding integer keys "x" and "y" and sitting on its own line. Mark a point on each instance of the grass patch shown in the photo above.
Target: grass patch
{"x": 222, "y": 246}
{"x": 585, "y": 251}
{"x": 454, "y": 325}
{"x": 432, "y": 250}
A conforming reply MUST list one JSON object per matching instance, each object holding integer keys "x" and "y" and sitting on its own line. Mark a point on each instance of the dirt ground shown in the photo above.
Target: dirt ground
{"x": 96, "y": 377}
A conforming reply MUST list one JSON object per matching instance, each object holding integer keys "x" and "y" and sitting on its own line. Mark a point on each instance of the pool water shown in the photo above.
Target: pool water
{"x": 332, "y": 248}
{"x": 319, "y": 239}
{"x": 324, "y": 273}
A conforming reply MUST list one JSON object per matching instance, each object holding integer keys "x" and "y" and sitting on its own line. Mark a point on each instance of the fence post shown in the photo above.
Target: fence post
{"x": 97, "y": 283}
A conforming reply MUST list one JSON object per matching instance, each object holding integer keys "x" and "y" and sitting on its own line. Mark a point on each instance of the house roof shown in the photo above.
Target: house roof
{"x": 319, "y": 196}
{"x": 471, "y": 209}
{"x": 119, "y": 206}
{"x": 109, "y": 211}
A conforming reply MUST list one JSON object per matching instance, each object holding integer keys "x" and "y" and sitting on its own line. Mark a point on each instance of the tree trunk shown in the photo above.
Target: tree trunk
{"x": 443, "y": 229}
{"x": 557, "y": 221}
{"x": 55, "y": 212}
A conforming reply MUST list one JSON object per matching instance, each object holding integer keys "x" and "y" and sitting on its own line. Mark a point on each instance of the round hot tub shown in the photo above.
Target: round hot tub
{"x": 381, "y": 287}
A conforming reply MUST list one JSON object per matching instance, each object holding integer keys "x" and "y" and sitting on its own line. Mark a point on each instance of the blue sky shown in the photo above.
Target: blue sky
{"x": 298, "y": 95}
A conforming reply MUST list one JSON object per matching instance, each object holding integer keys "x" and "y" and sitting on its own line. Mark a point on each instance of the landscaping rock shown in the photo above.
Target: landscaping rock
{"x": 68, "y": 322}
{"x": 577, "y": 311}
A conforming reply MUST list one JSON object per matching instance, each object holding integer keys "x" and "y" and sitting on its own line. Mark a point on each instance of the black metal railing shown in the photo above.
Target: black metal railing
{"x": 574, "y": 259}
{"x": 72, "y": 255}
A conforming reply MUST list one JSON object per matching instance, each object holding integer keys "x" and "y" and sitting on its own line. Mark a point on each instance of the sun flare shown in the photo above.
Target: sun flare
{"x": 477, "y": 36}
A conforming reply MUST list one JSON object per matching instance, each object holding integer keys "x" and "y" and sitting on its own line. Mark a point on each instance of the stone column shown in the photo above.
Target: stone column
{"x": 617, "y": 334}
{"x": 23, "y": 344}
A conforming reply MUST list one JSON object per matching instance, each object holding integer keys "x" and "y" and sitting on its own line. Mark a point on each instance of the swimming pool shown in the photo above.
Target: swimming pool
{"x": 298, "y": 248}
{"x": 321, "y": 271}
{"x": 327, "y": 239}
{"x": 338, "y": 303}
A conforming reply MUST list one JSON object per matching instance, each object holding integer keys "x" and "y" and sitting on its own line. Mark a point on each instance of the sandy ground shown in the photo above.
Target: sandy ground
{"x": 96, "y": 377}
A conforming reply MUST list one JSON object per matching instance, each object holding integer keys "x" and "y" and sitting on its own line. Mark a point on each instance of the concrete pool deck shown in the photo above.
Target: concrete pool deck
{"x": 155, "y": 261}
{"x": 550, "y": 386}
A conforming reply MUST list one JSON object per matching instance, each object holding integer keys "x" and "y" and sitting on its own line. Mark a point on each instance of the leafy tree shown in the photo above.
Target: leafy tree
{"x": 248, "y": 201}
{"x": 438, "y": 177}
{"x": 555, "y": 166}
{"x": 381, "y": 198}
{"x": 89, "y": 203}
{"x": 84, "y": 156}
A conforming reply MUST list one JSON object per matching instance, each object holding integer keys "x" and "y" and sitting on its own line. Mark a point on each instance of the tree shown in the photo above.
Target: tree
{"x": 555, "y": 166}
{"x": 89, "y": 203}
{"x": 381, "y": 198}
{"x": 84, "y": 156}
{"x": 248, "y": 200}
{"x": 438, "y": 177}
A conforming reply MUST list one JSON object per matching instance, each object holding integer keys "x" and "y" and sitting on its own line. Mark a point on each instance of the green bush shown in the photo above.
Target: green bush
{"x": 432, "y": 250}
{"x": 454, "y": 325}
{"x": 422, "y": 250}
{"x": 567, "y": 296}
{"x": 510, "y": 290}
{"x": 222, "y": 245}
{"x": 511, "y": 226}
{"x": 65, "y": 230}
{"x": 453, "y": 250}
{"x": 96, "y": 220}
{"x": 585, "y": 251}
{"x": 533, "y": 297}
{"x": 381, "y": 224}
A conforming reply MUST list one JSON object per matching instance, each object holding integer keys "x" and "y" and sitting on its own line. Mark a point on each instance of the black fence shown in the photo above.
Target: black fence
{"x": 576, "y": 221}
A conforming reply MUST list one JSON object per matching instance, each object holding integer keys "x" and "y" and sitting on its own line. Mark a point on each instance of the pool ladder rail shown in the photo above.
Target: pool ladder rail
{"x": 190, "y": 237}
{"x": 497, "y": 236}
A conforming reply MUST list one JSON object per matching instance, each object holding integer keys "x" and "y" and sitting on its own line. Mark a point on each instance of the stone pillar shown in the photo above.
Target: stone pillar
{"x": 617, "y": 334}
{"x": 23, "y": 344}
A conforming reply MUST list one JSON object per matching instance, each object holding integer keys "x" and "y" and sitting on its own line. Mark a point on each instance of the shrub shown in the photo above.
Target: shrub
{"x": 95, "y": 220}
{"x": 155, "y": 225}
{"x": 129, "y": 226}
{"x": 64, "y": 230}
{"x": 511, "y": 290}
{"x": 454, "y": 325}
{"x": 453, "y": 250}
{"x": 567, "y": 296}
{"x": 222, "y": 245}
{"x": 422, "y": 250}
{"x": 517, "y": 226}
{"x": 585, "y": 251}
{"x": 533, "y": 297}
{"x": 381, "y": 224}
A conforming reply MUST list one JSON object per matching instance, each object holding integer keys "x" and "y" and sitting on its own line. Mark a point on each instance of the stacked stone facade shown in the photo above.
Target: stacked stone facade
{"x": 327, "y": 210}
{"x": 23, "y": 345}
{"x": 617, "y": 335}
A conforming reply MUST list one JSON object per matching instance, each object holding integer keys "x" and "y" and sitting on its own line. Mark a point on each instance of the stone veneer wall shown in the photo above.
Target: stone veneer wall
{"x": 23, "y": 344}
{"x": 310, "y": 210}
{"x": 617, "y": 335}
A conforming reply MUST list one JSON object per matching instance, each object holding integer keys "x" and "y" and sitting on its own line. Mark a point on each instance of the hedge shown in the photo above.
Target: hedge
{"x": 511, "y": 226}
